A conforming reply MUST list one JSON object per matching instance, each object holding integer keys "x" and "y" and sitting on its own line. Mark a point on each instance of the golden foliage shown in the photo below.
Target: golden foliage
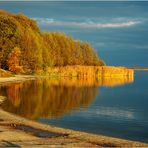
{"x": 13, "y": 61}
{"x": 40, "y": 50}
{"x": 67, "y": 51}
{"x": 90, "y": 71}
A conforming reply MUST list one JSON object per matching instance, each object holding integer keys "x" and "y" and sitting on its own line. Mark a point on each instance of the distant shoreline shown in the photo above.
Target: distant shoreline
{"x": 138, "y": 68}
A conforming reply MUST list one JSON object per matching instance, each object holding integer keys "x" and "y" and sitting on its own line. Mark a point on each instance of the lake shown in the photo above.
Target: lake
{"x": 115, "y": 107}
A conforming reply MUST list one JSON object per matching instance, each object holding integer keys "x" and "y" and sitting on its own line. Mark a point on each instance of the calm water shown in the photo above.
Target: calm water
{"x": 113, "y": 107}
{"x": 119, "y": 33}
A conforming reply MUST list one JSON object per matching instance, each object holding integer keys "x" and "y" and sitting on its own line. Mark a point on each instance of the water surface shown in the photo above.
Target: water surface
{"x": 115, "y": 107}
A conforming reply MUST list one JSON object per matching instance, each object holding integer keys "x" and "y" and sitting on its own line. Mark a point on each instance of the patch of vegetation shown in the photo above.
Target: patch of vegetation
{"x": 4, "y": 73}
{"x": 24, "y": 48}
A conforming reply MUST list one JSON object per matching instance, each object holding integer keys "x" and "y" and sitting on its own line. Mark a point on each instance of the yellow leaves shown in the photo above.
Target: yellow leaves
{"x": 39, "y": 50}
{"x": 67, "y": 51}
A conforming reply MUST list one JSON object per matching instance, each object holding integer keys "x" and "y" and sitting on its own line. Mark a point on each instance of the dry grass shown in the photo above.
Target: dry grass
{"x": 4, "y": 73}
{"x": 90, "y": 71}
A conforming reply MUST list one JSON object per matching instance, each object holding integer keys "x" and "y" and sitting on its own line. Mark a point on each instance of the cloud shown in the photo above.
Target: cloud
{"x": 87, "y": 24}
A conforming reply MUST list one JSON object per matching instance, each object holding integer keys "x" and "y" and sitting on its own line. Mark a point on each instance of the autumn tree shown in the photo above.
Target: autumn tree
{"x": 13, "y": 61}
{"x": 39, "y": 50}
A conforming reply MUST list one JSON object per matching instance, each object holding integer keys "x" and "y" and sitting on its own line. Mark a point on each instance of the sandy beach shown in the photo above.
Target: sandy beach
{"x": 18, "y": 131}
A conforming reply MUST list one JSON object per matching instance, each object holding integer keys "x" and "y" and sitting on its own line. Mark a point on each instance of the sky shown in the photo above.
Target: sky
{"x": 117, "y": 30}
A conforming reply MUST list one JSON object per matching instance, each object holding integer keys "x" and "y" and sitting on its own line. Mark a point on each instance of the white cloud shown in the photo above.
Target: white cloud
{"x": 87, "y": 24}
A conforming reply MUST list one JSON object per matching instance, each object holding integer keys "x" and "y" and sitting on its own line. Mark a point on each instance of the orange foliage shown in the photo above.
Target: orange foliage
{"x": 13, "y": 61}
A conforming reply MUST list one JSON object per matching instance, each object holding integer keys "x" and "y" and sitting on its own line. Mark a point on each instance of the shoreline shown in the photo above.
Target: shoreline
{"x": 16, "y": 79}
{"x": 139, "y": 68}
{"x": 10, "y": 135}
{"x": 10, "y": 132}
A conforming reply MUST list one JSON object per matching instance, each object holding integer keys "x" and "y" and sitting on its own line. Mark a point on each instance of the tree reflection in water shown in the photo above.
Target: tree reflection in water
{"x": 53, "y": 98}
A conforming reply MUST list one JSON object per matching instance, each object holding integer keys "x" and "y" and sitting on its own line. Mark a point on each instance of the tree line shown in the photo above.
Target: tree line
{"x": 24, "y": 48}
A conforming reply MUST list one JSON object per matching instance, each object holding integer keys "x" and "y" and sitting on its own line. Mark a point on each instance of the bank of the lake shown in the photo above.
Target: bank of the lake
{"x": 77, "y": 71}
{"x": 90, "y": 71}
{"x": 18, "y": 131}
{"x": 139, "y": 68}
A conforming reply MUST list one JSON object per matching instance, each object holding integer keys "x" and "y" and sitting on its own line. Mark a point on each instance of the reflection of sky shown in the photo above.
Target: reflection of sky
{"x": 112, "y": 112}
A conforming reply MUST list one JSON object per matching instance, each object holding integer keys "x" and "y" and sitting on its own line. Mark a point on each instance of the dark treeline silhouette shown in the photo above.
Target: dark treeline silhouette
{"x": 24, "y": 48}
